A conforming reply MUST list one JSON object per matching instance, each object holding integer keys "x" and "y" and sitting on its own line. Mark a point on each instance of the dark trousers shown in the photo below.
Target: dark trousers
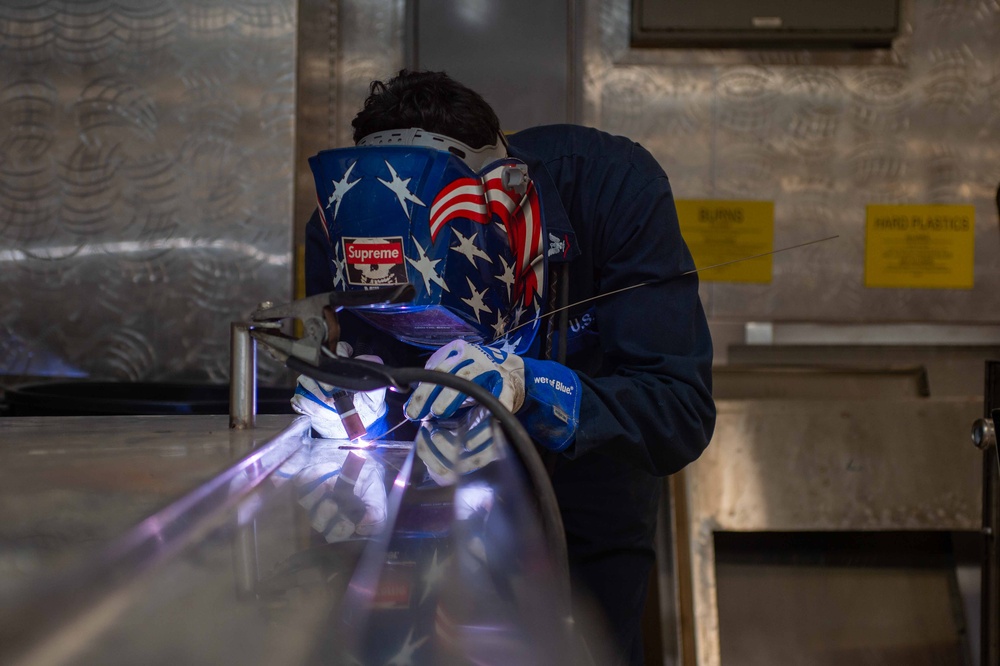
{"x": 617, "y": 584}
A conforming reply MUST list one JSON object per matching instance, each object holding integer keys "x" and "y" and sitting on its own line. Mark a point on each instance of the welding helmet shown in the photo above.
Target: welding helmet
{"x": 464, "y": 226}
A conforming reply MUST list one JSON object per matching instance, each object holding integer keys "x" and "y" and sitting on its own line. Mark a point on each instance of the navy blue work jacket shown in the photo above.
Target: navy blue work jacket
{"x": 644, "y": 355}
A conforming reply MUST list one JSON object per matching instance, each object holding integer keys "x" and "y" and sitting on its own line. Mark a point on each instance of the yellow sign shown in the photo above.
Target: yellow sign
{"x": 920, "y": 246}
{"x": 721, "y": 231}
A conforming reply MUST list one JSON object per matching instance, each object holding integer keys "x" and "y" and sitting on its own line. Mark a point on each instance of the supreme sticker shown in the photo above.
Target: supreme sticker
{"x": 374, "y": 261}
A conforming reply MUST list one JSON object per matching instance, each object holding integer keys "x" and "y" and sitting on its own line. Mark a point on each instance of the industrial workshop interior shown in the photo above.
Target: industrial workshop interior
{"x": 835, "y": 171}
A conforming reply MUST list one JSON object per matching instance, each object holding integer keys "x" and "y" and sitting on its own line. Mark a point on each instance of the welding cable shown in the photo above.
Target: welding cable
{"x": 358, "y": 375}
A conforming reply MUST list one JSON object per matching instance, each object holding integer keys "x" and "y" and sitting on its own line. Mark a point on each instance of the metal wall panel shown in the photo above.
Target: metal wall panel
{"x": 145, "y": 182}
{"x": 525, "y": 79}
{"x": 148, "y": 152}
{"x": 821, "y": 135}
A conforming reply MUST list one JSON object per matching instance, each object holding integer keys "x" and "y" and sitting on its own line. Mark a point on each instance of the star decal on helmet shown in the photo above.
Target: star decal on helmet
{"x": 401, "y": 188}
{"x": 427, "y": 268}
{"x": 340, "y": 189}
{"x": 507, "y": 277}
{"x": 339, "y": 267}
{"x": 499, "y": 326}
{"x": 507, "y": 344}
{"x": 475, "y": 301}
{"x": 468, "y": 248}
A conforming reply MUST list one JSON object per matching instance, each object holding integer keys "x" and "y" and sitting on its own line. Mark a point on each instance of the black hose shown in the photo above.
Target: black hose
{"x": 358, "y": 375}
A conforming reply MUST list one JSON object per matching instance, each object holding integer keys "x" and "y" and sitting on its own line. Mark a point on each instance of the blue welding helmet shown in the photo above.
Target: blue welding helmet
{"x": 463, "y": 226}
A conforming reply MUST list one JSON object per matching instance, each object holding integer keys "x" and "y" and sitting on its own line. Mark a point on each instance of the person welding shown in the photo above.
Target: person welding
{"x": 496, "y": 233}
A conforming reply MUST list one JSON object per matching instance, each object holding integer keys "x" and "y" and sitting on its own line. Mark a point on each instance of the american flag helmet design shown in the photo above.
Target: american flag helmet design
{"x": 472, "y": 244}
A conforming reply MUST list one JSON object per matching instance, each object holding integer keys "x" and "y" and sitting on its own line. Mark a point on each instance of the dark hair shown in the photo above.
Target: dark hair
{"x": 432, "y": 101}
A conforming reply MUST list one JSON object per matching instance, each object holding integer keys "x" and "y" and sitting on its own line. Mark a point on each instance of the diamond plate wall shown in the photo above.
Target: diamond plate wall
{"x": 148, "y": 156}
{"x": 821, "y": 135}
{"x": 146, "y": 153}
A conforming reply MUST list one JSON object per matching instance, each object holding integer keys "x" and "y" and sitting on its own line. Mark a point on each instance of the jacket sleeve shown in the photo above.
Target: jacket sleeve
{"x": 651, "y": 402}
{"x": 318, "y": 257}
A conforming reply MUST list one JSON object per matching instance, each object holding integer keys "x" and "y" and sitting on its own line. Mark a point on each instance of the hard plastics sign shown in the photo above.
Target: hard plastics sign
{"x": 920, "y": 246}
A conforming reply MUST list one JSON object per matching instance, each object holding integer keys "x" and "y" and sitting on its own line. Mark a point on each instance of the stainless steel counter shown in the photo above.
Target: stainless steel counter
{"x": 69, "y": 485}
{"x": 173, "y": 540}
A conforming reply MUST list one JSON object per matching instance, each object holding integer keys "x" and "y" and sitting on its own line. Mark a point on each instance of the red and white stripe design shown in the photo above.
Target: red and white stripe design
{"x": 478, "y": 200}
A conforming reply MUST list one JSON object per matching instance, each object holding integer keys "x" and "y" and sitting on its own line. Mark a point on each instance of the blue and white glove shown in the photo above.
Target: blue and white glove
{"x": 453, "y": 447}
{"x": 342, "y": 492}
{"x": 545, "y": 395}
{"x": 316, "y": 400}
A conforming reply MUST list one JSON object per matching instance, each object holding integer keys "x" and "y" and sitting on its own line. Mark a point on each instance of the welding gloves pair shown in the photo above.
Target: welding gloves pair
{"x": 544, "y": 395}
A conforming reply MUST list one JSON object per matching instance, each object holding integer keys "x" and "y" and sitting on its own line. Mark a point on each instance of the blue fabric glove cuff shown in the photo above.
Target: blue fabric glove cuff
{"x": 551, "y": 409}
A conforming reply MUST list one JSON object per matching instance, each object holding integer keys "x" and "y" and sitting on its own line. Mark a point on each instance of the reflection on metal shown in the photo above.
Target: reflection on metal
{"x": 451, "y": 574}
{"x": 825, "y": 465}
{"x": 63, "y": 609}
{"x": 242, "y": 377}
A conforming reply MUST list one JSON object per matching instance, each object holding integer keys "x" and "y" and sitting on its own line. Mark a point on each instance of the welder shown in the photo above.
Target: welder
{"x": 496, "y": 232}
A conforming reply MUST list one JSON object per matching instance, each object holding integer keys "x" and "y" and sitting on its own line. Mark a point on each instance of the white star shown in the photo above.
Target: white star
{"x": 500, "y": 327}
{"x": 466, "y": 247}
{"x": 427, "y": 268}
{"x": 340, "y": 189}
{"x": 507, "y": 277}
{"x": 338, "y": 268}
{"x": 435, "y": 574}
{"x": 400, "y": 187}
{"x": 508, "y": 345}
{"x": 518, "y": 313}
{"x": 405, "y": 655}
{"x": 475, "y": 301}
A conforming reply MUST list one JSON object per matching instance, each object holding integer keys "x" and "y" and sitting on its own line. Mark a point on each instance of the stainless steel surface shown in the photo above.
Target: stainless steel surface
{"x": 821, "y": 134}
{"x": 242, "y": 377}
{"x": 826, "y": 465}
{"x": 72, "y": 484}
{"x": 146, "y": 181}
{"x": 237, "y": 572}
{"x": 55, "y": 616}
{"x": 343, "y": 45}
{"x": 150, "y": 159}
{"x": 521, "y": 67}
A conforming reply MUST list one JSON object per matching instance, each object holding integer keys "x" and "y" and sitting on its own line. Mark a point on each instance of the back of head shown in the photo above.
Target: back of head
{"x": 432, "y": 101}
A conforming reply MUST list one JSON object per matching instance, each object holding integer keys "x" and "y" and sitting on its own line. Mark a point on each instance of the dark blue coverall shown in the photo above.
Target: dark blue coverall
{"x": 643, "y": 356}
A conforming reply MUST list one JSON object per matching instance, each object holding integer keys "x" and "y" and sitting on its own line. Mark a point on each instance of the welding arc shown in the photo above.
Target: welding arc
{"x": 674, "y": 277}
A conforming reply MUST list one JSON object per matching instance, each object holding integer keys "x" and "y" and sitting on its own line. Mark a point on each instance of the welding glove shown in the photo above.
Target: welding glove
{"x": 544, "y": 395}
{"x": 343, "y": 492}
{"x": 453, "y": 447}
{"x": 316, "y": 400}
